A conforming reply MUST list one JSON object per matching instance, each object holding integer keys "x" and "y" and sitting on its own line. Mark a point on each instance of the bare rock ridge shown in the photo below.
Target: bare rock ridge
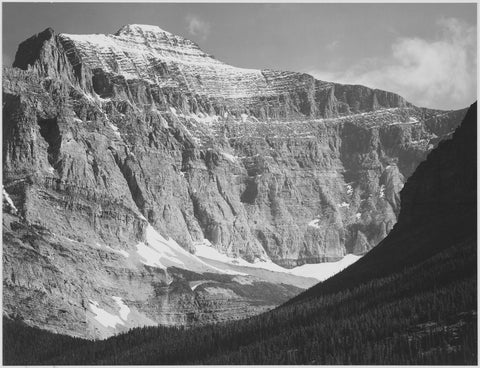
{"x": 114, "y": 144}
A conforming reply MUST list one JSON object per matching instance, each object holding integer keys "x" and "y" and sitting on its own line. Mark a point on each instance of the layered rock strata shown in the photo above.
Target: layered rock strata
{"x": 107, "y": 136}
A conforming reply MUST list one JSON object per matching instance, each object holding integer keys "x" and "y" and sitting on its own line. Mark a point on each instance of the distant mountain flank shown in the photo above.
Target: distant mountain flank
{"x": 142, "y": 174}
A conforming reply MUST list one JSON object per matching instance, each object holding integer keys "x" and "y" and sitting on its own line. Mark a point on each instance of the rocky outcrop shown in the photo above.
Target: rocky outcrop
{"x": 106, "y": 135}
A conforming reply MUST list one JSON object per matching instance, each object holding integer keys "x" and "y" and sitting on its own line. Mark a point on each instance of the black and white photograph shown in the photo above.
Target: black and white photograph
{"x": 243, "y": 183}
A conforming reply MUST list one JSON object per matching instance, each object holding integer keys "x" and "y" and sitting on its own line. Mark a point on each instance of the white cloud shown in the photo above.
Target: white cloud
{"x": 197, "y": 27}
{"x": 333, "y": 45}
{"x": 439, "y": 73}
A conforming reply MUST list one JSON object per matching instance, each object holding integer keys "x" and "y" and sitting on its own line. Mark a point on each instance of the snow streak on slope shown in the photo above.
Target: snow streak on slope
{"x": 159, "y": 252}
{"x": 8, "y": 199}
{"x": 319, "y": 271}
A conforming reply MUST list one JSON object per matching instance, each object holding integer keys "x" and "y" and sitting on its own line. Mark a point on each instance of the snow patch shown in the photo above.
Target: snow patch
{"x": 244, "y": 117}
{"x": 159, "y": 252}
{"x": 162, "y": 253}
{"x": 205, "y": 119}
{"x": 349, "y": 189}
{"x": 103, "y": 317}
{"x": 323, "y": 271}
{"x": 314, "y": 223}
{"x": 319, "y": 271}
{"x": 121, "y": 251}
{"x": 229, "y": 156}
{"x": 418, "y": 141}
{"x": 206, "y": 250}
{"x": 358, "y": 215}
{"x": 144, "y": 28}
{"x": 124, "y": 310}
{"x": 343, "y": 204}
{"x": 114, "y": 128}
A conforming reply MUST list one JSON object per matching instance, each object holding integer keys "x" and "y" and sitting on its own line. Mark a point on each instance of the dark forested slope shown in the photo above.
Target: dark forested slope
{"x": 411, "y": 300}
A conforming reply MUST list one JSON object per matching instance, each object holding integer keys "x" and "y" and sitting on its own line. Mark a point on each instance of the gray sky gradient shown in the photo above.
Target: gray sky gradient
{"x": 425, "y": 52}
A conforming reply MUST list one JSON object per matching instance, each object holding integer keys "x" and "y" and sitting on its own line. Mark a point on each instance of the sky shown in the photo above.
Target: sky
{"x": 425, "y": 52}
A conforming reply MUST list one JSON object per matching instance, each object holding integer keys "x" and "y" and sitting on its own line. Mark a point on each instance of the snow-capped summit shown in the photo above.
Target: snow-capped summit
{"x": 132, "y": 29}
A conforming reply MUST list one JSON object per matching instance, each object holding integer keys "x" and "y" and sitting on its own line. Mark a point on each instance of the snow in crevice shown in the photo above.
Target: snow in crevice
{"x": 344, "y": 204}
{"x": 6, "y": 196}
{"x": 382, "y": 191}
{"x": 349, "y": 189}
{"x": 197, "y": 283}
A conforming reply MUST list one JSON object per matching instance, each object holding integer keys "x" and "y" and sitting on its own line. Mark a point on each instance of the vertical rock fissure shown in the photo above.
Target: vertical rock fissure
{"x": 50, "y": 132}
{"x": 131, "y": 180}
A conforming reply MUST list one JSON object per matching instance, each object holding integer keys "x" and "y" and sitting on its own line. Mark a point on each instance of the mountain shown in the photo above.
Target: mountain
{"x": 411, "y": 300}
{"x": 146, "y": 182}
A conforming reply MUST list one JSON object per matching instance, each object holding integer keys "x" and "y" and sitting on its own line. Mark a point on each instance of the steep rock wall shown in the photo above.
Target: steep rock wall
{"x": 105, "y": 135}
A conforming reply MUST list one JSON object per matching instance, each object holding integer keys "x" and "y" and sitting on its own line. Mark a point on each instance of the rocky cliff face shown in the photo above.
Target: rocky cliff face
{"x": 109, "y": 137}
{"x": 439, "y": 214}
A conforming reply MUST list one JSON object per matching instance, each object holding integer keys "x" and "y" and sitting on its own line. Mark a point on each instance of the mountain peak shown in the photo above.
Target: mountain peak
{"x": 140, "y": 30}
